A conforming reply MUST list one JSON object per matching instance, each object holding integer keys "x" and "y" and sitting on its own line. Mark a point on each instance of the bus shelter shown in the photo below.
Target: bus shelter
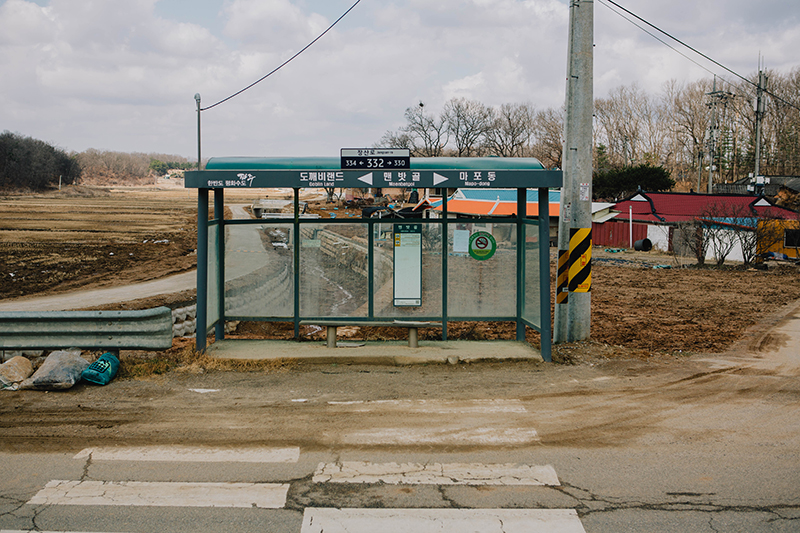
{"x": 296, "y": 268}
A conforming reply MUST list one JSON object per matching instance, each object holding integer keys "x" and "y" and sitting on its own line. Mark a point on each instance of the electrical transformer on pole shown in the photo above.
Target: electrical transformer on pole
{"x": 574, "y": 280}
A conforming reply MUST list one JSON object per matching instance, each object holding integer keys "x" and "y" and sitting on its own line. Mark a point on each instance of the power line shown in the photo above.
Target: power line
{"x": 687, "y": 46}
{"x": 657, "y": 38}
{"x": 306, "y": 47}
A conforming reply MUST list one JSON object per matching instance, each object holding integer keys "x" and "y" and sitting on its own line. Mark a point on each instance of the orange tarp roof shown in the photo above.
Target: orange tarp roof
{"x": 484, "y": 207}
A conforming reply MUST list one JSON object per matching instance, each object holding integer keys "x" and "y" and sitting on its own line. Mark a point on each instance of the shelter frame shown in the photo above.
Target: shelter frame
{"x": 296, "y": 173}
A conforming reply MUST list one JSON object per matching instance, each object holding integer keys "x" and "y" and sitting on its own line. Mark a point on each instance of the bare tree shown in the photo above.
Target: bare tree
{"x": 425, "y": 135}
{"x": 690, "y": 239}
{"x": 548, "y": 137}
{"x": 511, "y": 129}
{"x": 690, "y": 117}
{"x": 718, "y": 224}
{"x": 468, "y": 121}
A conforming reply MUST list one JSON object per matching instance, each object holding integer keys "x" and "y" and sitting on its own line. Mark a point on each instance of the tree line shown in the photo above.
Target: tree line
{"x": 128, "y": 168}
{"x": 31, "y": 164}
{"x": 688, "y": 129}
{"x": 28, "y": 163}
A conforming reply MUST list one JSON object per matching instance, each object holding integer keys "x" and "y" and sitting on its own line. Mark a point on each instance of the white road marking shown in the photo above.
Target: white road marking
{"x": 317, "y": 520}
{"x": 469, "y": 436}
{"x": 435, "y": 473}
{"x": 433, "y": 406}
{"x": 189, "y": 454}
{"x": 165, "y": 494}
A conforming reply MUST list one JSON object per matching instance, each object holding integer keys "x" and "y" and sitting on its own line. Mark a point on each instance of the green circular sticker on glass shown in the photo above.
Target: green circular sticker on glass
{"x": 482, "y": 245}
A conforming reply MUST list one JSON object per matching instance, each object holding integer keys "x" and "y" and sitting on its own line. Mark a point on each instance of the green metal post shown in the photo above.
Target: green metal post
{"x": 522, "y": 206}
{"x": 202, "y": 270}
{"x": 219, "y": 216}
{"x": 445, "y": 251}
{"x": 544, "y": 273}
{"x": 370, "y": 269}
{"x": 296, "y": 244}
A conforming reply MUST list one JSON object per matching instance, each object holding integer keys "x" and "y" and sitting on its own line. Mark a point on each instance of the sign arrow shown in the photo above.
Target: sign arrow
{"x": 438, "y": 178}
{"x": 366, "y": 178}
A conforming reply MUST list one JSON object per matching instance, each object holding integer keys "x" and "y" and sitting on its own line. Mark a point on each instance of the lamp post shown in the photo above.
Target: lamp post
{"x": 197, "y": 99}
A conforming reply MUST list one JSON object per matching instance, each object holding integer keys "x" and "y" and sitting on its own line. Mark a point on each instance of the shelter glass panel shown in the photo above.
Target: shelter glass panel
{"x": 531, "y": 309}
{"x": 212, "y": 306}
{"x": 431, "y": 272}
{"x": 333, "y": 270}
{"x": 486, "y": 287}
{"x": 258, "y": 270}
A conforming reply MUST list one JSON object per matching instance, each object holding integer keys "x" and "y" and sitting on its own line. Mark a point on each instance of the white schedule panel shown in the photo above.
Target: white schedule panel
{"x": 407, "y": 265}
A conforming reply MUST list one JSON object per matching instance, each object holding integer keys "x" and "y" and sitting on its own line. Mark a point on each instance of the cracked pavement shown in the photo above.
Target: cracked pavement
{"x": 703, "y": 443}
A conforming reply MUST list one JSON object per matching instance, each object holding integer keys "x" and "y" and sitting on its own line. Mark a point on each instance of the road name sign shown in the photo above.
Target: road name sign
{"x": 375, "y": 158}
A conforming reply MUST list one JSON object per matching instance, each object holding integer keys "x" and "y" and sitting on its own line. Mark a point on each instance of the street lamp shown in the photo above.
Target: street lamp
{"x": 197, "y": 99}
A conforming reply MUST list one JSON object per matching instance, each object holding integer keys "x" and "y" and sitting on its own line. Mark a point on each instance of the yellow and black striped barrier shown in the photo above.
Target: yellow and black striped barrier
{"x": 580, "y": 260}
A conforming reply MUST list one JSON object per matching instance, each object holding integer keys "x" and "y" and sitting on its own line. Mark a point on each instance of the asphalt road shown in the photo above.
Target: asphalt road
{"x": 700, "y": 444}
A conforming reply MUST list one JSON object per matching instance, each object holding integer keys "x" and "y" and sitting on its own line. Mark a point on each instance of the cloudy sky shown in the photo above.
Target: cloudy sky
{"x": 121, "y": 75}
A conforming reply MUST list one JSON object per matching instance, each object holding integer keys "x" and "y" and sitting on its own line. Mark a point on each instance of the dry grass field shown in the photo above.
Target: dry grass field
{"x": 83, "y": 236}
{"x": 94, "y": 237}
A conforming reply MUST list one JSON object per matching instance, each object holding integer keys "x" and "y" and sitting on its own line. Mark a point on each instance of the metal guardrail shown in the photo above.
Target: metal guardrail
{"x": 149, "y": 329}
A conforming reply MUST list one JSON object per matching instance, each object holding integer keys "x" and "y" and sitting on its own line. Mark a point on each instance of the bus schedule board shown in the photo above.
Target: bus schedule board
{"x": 407, "y": 265}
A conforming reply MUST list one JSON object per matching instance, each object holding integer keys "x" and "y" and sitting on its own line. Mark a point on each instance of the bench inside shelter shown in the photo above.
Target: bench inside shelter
{"x": 332, "y": 325}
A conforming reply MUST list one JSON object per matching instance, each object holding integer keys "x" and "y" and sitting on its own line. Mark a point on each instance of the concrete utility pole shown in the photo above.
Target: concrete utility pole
{"x": 762, "y": 84}
{"x": 717, "y": 98}
{"x": 573, "y": 299}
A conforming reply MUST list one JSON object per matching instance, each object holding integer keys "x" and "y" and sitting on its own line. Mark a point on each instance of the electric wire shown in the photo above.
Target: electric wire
{"x": 657, "y": 38}
{"x": 749, "y": 82}
{"x": 306, "y": 47}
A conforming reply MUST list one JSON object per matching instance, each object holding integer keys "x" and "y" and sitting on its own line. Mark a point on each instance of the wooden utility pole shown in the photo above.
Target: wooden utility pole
{"x": 573, "y": 296}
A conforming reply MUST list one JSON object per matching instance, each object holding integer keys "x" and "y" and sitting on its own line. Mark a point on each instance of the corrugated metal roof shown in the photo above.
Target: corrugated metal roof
{"x": 661, "y": 207}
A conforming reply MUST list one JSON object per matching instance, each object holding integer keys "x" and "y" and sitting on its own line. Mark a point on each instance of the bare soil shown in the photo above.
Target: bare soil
{"x": 620, "y": 386}
{"x": 644, "y": 305}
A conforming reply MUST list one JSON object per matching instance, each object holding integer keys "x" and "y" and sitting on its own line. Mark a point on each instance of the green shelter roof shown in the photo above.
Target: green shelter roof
{"x": 417, "y": 163}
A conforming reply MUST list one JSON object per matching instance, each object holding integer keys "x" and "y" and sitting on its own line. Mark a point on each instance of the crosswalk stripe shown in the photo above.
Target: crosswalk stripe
{"x": 491, "y": 436}
{"x": 435, "y": 473}
{"x": 317, "y": 520}
{"x": 192, "y": 454}
{"x": 162, "y": 494}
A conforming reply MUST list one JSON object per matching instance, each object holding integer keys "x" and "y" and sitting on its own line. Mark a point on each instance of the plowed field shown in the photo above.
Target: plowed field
{"x": 85, "y": 237}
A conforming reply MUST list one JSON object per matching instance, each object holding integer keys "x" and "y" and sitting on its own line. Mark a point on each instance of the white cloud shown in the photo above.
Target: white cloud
{"x": 118, "y": 75}
{"x": 23, "y": 23}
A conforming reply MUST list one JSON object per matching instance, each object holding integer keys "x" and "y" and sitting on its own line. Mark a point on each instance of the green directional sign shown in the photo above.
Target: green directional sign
{"x": 398, "y": 178}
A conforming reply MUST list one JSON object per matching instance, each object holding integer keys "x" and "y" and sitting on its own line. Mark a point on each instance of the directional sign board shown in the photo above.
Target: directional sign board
{"x": 375, "y": 158}
{"x": 492, "y": 179}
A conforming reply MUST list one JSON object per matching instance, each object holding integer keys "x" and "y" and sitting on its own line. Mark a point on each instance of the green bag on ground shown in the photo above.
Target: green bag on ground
{"x": 102, "y": 371}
